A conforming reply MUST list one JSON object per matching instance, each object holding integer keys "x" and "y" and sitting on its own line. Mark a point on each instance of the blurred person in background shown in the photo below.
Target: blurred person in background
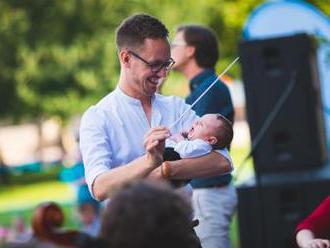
{"x": 314, "y": 230}
{"x": 73, "y": 167}
{"x": 3, "y": 235}
{"x": 89, "y": 211}
{"x": 73, "y": 173}
{"x": 19, "y": 232}
{"x": 195, "y": 50}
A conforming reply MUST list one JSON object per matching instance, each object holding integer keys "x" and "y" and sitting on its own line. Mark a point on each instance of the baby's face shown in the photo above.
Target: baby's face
{"x": 204, "y": 127}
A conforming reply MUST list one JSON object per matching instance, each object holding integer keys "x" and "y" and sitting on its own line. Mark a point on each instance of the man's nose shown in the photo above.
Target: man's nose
{"x": 162, "y": 72}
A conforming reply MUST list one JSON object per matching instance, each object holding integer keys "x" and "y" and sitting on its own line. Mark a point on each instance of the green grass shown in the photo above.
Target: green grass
{"x": 20, "y": 200}
{"x": 234, "y": 232}
{"x": 25, "y": 196}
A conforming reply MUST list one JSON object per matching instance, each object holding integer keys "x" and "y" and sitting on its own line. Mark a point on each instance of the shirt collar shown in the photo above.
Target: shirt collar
{"x": 129, "y": 99}
{"x": 156, "y": 115}
{"x": 199, "y": 78}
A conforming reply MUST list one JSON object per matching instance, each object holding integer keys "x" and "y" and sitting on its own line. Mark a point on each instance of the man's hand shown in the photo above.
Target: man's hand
{"x": 154, "y": 144}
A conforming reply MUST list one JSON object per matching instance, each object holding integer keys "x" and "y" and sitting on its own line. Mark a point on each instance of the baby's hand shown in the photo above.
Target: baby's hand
{"x": 177, "y": 137}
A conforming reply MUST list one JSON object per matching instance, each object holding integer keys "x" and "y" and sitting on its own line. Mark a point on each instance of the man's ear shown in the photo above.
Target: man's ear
{"x": 212, "y": 140}
{"x": 125, "y": 58}
{"x": 190, "y": 51}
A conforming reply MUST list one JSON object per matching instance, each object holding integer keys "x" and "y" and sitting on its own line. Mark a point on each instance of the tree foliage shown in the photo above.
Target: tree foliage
{"x": 58, "y": 57}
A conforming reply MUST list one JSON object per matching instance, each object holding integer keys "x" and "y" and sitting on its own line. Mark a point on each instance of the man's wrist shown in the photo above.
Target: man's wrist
{"x": 152, "y": 162}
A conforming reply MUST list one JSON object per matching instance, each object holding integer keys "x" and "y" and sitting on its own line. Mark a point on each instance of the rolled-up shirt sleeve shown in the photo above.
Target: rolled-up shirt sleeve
{"x": 94, "y": 145}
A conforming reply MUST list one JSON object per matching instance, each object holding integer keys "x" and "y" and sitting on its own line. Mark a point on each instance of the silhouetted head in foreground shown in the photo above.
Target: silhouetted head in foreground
{"x": 147, "y": 215}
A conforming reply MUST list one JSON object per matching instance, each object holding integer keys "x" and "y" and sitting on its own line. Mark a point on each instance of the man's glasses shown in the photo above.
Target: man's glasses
{"x": 155, "y": 67}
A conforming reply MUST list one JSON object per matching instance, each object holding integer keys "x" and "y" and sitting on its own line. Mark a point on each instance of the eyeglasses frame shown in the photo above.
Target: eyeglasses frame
{"x": 168, "y": 67}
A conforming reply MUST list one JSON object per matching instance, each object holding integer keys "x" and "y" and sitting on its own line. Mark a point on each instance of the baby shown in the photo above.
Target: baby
{"x": 211, "y": 131}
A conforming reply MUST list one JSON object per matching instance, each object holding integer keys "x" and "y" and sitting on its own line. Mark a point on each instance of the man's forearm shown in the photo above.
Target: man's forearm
{"x": 107, "y": 183}
{"x": 213, "y": 164}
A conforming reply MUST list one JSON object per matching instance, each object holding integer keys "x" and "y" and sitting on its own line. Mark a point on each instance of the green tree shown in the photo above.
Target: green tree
{"x": 58, "y": 57}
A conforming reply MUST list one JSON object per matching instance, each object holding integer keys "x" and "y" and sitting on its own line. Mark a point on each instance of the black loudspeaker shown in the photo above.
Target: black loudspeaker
{"x": 295, "y": 139}
{"x": 269, "y": 212}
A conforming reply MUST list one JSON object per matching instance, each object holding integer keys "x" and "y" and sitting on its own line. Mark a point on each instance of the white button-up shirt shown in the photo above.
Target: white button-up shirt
{"x": 112, "y": 131}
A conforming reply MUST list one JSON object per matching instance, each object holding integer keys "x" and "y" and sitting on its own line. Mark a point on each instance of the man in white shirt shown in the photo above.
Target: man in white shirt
{"x": 122, "y": 137}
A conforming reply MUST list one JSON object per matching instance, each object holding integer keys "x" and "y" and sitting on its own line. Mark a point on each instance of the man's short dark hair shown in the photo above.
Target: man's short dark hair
{"x": 205, "y": 42}
{"x": 135, "y": 29}
{"x": 225, "y": 133}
